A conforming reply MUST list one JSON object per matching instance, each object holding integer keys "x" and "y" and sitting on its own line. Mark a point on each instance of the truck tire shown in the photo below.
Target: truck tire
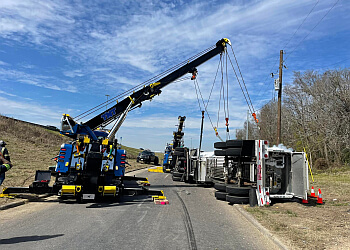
{"x": 178, "y": 149}
{"x": 179, "y": 153}
{"x": 181, "y": 170}
{"x": 176, "y": 178}
{"x": 220, "y": 195}
{"x": 228, "y": 152}
{"x": 220, "y": 145}
{"x": 177, "y": 174}
{"x": 233, "y": 151}
{"x": 156, "y": 161}
{"x": 220, "y": 186}
{"x": 253, "y": 201}
{"x": 221, "y": 152}
{"x": 237, "y": 199}
{"x": 234, "y": 143}
{"x": 238, "y": 191}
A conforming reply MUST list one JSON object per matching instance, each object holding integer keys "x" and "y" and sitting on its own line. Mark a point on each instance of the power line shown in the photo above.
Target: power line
{"x": 288, "y": 43}
{"x": 322, "y": 67}
{"x": 300, "y": 25}
{"x": 312, "y": 29}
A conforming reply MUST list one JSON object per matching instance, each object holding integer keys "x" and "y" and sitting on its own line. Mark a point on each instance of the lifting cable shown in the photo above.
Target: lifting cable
{"x": 195, "y": 87}
{"x": 227, "y": 103}
{"x": 245, "y": 94}
{"x": 140, "y": 86}
{"x": 205, "y": 105}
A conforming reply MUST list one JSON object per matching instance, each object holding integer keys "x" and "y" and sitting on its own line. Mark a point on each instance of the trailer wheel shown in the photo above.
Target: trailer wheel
{"x": 237, "y": 199}
{"x": 234, "y": 143}
{"x": 220, "y": 186}
{"x": 220, "y": 195}
{"x": 238, "y": 191}
{"x": 220, "y": 145}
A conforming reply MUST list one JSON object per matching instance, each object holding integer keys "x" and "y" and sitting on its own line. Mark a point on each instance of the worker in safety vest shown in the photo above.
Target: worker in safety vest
{"x": 5, "y": 163}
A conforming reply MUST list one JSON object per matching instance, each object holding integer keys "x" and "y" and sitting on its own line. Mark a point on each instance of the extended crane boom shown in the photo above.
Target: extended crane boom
{"x": 92, "y": 165}
{"x": 72, "y": 128}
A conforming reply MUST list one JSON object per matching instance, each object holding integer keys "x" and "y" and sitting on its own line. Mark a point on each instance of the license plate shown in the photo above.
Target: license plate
{"x": 88, "y": 196}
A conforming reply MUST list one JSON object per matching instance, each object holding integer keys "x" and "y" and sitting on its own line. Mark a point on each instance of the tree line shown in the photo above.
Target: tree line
{"x": 315, "y": 116}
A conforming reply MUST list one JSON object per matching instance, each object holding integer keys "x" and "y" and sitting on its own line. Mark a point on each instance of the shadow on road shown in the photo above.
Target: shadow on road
{"x": 15, "y": 240}
{"x": 123, "y": 201}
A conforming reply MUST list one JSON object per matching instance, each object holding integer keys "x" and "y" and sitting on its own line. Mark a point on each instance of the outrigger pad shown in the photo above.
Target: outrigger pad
{"x": 43, "y": 175}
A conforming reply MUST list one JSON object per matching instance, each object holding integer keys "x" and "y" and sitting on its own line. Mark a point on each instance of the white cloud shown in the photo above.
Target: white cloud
{"x": 107, "y": 50}
{"x": 31, "y": 112}
{"x": 43, "y": 81}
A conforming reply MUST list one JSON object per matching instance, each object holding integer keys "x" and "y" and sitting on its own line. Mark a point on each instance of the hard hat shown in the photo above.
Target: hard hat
{"x": 2, "y": 143}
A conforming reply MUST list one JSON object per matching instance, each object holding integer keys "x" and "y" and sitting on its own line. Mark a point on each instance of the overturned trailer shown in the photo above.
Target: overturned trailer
{"x": 249, "y": 171}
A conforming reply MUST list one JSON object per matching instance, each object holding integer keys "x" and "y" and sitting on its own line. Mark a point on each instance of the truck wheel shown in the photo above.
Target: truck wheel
{"x": 177, "y": 174}
{"x": 253, "y": 201}
{"x": 220, "y": 186}
{"x": 221, "y": 152}
{"x": 178, "y": 149}
{"x": 233, "y": 151}
{"x": 156, "y": 161}
{"x": 234, "y": 143}
{"x": 220, "y": 195}
{"x": 237, "y": 199}
{"x": 238, "y": 191}
{"x": 176, "y": 178}
{"x": 181, "y": 170}
{"x": 220, "y": 145}
{"x": 179, "y": 153}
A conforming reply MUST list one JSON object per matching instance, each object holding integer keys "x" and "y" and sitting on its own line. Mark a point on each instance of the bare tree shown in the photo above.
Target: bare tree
{"x": 316, "y": 115}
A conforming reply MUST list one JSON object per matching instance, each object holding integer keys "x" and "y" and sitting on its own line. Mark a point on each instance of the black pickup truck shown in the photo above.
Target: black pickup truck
{"x": 148, "y": 156}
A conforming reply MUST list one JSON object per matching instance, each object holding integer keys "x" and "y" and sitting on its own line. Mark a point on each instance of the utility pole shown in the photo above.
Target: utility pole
{"x": 279, "y": 112}
{"x": 200, "y": 139}
{"x": 247, "y": 132}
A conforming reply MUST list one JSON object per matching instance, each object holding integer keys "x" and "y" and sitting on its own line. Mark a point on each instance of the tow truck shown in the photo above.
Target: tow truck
{"x": 91, "y": 166}
{"x": 170, "y": 157}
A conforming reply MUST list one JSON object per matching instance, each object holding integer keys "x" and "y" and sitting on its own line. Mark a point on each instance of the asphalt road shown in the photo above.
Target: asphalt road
{"x": 194, "y": 219}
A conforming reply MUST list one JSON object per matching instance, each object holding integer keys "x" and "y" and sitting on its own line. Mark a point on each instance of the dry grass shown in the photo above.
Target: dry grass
{"x": 313, "y": 227}
{"x": 31, "y": 148}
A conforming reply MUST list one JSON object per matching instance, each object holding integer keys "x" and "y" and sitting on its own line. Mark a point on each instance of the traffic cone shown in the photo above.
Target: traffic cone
{"x": 304, "y": 201}
{"x": 319, "y": 197}
{"x": 313, "y": 192}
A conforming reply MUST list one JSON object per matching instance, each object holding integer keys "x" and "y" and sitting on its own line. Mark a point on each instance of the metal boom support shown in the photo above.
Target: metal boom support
{"x": 149, "y": 91}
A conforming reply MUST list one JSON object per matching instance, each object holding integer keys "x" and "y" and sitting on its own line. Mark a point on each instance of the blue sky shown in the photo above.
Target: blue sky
{"x": 65, "y": 56}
